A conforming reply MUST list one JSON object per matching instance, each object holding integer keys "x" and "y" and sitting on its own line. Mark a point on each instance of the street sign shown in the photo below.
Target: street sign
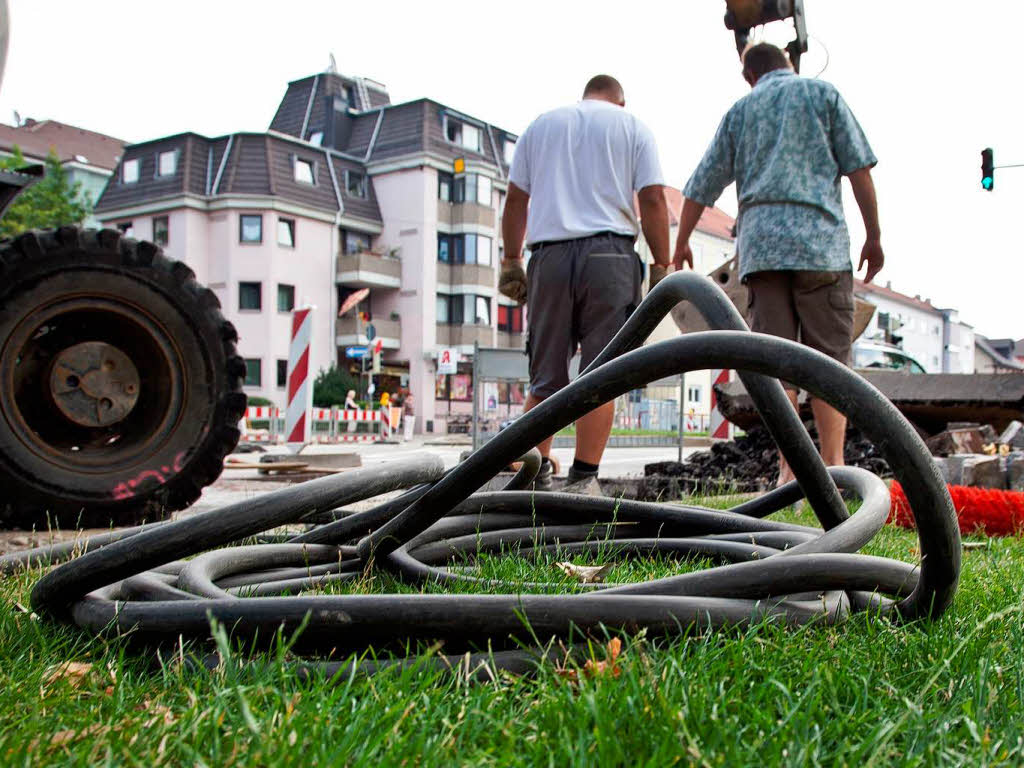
{"x": 448, "y": 360}
{"x": 378, "y": 346}
{"x": 355, "y": 351}
{"x": 370, "y": 331}
{"x": 353, "y": 298}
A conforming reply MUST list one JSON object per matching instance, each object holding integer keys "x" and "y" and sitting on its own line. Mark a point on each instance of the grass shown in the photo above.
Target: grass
{"x": 863, "y": 693}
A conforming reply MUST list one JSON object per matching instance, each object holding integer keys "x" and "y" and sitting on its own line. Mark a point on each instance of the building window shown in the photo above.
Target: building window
{"x": 444, "y": 186}
{"x": 304, "y": 171}
{"x": 126, "y": 228}
{"x": 161, "y": 230}
{"x": 693, "y": 394}
{"x": 286, "y": 232}
{"x": 285, "y": 297}
{"x": 250, "y": 227}
{"x": 346, "y": 96}
{"x": 510, "y": 319}
{"x": 253, "y": 372}
{"x": 510, "y": 151}
{"x": 472, "y": 188}
{"x": 250, "y": 297}
{"x": 282, "y": 374}
{"x": 167, "y": 163}
{"x": 355, "y": 184}
{"x": 355, "y": 242}
{"x": 130, "y": 171}
{"x": 317, "y": 138}
{"x": 463, "y": 134}
{"x": 463, "y": 309}
{"x": 464, "y": 249}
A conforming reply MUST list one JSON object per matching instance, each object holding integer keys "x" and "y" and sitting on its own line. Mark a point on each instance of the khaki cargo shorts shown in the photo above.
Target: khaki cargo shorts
{"x": 814, "y": 308}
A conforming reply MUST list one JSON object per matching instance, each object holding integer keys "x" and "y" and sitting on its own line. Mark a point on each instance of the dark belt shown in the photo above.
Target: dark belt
{"x": 534, "y": 247}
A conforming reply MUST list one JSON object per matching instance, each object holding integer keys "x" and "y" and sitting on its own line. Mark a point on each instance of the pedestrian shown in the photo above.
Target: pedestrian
{"x": 787, "y": 144}
{"x": 570, "y": 197}
{"x": 409, "y": 417}
{"x": 351, "y": 405}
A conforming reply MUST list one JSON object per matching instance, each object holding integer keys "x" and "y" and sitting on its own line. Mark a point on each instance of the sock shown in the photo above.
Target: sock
{"x": 584, "y": 467}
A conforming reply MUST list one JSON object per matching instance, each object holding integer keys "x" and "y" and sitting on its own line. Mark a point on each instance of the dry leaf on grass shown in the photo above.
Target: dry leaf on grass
{"x": 586, "y": 574}
{"x": 595, "y": 669}
{"x": 160, "y": 712}
{"x": 74, "y": 673}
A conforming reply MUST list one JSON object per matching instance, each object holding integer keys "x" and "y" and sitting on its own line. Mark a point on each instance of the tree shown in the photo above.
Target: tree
{"x": 331, "y": 387}
{"x": 52, "y": 201}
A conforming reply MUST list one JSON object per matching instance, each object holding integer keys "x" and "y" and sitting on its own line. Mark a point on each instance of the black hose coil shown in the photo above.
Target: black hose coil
{"x": 137, "y": 580}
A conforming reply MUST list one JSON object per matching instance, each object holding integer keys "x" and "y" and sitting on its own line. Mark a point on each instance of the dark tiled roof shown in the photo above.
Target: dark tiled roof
{"x": 317, "y": 96}
{"x": 258, "y": 164}
{"x": 37, "y": 138}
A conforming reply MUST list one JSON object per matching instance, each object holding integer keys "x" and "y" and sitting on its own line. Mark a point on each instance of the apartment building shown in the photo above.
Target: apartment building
{"x": 89, "y": 158}
{"x": 933, "y": 336}
{"x": 344, "y": 191}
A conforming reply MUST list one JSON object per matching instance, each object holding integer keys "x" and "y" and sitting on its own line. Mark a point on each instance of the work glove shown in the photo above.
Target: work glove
{"x": 658, "y": 273}
{"x": 512, "y": 281}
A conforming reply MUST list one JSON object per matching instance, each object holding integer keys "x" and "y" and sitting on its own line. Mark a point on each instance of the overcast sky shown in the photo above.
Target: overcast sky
{"x": 931, "y": 83}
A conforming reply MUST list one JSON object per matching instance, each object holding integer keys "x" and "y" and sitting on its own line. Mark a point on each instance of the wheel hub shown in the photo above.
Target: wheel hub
{"x": 94, "y": 384}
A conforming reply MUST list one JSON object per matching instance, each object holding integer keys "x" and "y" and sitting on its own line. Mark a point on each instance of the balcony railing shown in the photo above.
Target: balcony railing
{"x": 369, "y": 270}
{"x": 348, "y": 333}
{"x": 464, "y": 335}
{"x": 467, "y": 274}
{"x": 456, "y": 214}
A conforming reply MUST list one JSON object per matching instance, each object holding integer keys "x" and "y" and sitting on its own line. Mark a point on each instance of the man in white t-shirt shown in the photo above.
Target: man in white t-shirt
{"x": 570, "y": 198}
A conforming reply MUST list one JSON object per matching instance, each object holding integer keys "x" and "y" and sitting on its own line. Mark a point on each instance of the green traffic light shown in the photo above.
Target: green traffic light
{"x": 987, "y": 182}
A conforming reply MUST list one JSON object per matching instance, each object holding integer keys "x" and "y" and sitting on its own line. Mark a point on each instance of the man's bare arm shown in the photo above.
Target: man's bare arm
{"x": 513, "y": 222}
{"x": 654, "y": 221}
{"x": 687, "y": 223}
{"x": 864, "y": 192}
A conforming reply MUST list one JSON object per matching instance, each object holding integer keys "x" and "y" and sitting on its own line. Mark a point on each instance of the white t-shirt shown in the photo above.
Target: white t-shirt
{"x": 581, "y": 165}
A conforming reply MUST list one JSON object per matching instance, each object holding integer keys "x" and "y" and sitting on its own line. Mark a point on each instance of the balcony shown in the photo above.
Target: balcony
{"x": 347, "y": 332}
{"x": 464, "y": 335}
{"x": 458, "y": 214}
{"x": 511, "y": 340}
{"x": 466, "y": 274}
{"x": 369, "y": 270}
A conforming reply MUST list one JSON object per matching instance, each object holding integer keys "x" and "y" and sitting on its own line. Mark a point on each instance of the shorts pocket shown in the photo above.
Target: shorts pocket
{"x": 840, "y": 298}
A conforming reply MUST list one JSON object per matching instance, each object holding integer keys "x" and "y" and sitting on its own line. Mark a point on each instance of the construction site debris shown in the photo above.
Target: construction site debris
{"x": 966, "y": 439}
{"x": 749, "y": 463}
{"x": 1013, "y": 435}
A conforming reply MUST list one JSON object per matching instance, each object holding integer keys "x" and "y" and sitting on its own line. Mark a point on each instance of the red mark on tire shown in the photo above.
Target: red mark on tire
{"x": 126, "y": 489}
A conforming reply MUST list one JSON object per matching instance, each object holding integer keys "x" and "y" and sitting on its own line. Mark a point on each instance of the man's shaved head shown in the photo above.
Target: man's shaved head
{"x": 605, "y": 87}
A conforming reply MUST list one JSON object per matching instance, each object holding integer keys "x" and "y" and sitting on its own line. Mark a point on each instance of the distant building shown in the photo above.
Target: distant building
{"x": 934, "y": 337}
{"x": 997, "y": 356}
{"x": 88, "y": 157}
{"x": 344, "y": 191}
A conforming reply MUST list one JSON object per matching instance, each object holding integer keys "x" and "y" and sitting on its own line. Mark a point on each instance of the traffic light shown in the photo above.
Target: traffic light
{"x": 988, "y": 169}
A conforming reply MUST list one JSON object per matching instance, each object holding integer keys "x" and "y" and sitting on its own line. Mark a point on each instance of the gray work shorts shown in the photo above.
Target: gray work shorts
{"x": 814, "y": 308}
{"x": 580, "y": 293}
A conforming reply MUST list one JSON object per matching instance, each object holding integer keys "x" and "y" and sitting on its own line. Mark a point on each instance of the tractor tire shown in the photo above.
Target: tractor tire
{"x": 120, "y": 385}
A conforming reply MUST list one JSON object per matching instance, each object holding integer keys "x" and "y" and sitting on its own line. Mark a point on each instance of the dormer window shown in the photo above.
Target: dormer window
{"x": 463, "y": 134}
{"x": 167, "y": 163}
{"x": 317, "y": 138}
{"x": 304, "y": 171}
{"x": 130, "y": 171}
{"x": 510, "y": 151}
{"x": 355, "y": 184}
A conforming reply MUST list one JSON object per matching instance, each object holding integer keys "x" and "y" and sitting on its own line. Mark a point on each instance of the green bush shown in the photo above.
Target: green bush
{"x": 331, "y": 386}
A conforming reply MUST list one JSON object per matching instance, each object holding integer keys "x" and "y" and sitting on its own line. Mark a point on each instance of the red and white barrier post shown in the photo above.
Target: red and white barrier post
{"x": 719, "y": 428}
{"x": 298, "y": 426}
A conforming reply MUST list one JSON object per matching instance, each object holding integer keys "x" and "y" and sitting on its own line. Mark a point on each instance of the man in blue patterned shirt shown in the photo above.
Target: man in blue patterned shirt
{"x": 787, "y": 144}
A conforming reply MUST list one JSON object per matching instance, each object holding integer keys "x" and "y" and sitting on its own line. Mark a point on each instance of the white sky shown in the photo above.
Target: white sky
{"x": 931, "y": 84}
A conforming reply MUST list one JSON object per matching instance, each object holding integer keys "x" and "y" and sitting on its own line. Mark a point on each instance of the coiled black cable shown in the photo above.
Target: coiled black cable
{"x": 139, "y": 581}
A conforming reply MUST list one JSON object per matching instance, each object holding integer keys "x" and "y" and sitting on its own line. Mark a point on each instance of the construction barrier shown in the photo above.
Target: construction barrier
{"x": 263, "y": 424}
{"x": 720, "y": 428}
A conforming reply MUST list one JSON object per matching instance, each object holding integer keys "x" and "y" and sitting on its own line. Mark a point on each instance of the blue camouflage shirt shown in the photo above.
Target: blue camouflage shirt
{"x": 786, "y": 144}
